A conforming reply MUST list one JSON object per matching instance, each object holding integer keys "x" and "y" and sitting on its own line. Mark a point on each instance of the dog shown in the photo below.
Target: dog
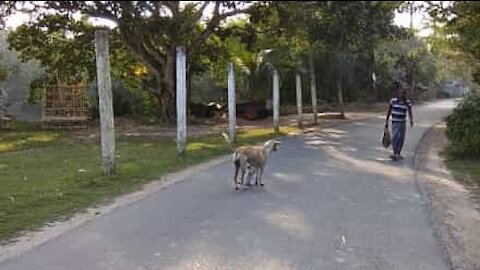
{"x": 258, "y": 159}
{"x": 251, "y": 160}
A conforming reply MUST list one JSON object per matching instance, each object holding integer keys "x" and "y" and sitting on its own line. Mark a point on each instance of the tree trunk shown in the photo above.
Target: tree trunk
{"x": 167, "y": 110}
{"x": 189, "y": 90}
{"x": 371, "y": 93}
{"x": 166, "y": 96}
{"x": 313, "y": 86}
{"x": 340, "y": 98}
{"x": 298, "y": 86}
{"x": 412, "y": 86}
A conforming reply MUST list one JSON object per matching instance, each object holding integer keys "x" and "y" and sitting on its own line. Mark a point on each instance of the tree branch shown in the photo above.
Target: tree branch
{"x": 149, "y": 48}
{"x": 199, "y": 13}
{"x": 101, "y": 11}
{"x": 234, "y": 12}
{"x": 216, "y": 9}
{"x": 152, "y": 89}
{"x": 138, "y": 49}
{"x": 210, "y": 28}
{"x": 103, "y": 15}
{"x": 173, "y": 6}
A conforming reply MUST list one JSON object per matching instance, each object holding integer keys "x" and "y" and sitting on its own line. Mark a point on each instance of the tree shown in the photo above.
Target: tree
{"x": 463, "y": 27}
{"x": 377, "y": 17}
{"x": 342, "y": 38}
{"x": 151, "y": 29}
{"x": 65, "y": 49}
{"x": 452, "y": 62}
{"x": 339, "y": 38}
{"x": 4, "y": 73}
{"x": 258, "y": 45}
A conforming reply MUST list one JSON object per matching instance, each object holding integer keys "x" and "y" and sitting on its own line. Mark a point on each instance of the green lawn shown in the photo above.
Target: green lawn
{"x": 25, "y": 136}
{"x": 45, "y": 176}
{"x": 466, "y": 171}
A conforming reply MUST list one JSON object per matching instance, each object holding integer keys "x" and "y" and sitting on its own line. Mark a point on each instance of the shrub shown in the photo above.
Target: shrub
{"x": 463, "y": 128}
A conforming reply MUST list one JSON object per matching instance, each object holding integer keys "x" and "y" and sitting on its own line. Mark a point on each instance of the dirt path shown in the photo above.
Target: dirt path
{"x": 456, "y": 215}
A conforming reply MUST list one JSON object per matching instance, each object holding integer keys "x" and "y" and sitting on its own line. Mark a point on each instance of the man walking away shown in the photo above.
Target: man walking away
{"x": 399, "y": 106}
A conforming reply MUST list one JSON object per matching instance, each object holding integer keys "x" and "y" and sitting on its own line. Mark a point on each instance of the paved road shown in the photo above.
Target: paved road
{"x": 333, "y": 200}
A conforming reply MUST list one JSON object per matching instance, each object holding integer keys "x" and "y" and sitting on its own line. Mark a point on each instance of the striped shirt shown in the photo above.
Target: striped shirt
{"x": 399, "y": 109}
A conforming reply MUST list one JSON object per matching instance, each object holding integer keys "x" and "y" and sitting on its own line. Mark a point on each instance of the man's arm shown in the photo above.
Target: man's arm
{"x": 388, "y": 113}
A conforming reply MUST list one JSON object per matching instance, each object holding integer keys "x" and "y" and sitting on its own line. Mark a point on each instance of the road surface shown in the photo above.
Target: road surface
{"x": 332, "y": 200}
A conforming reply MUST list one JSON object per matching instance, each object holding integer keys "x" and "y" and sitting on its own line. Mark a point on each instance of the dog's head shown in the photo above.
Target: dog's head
{"x": 272, "y": 145}
{"x": 276, "y": 145}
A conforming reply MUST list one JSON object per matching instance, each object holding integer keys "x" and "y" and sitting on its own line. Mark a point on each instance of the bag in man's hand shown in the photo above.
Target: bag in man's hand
{"x": 386, "y": 137}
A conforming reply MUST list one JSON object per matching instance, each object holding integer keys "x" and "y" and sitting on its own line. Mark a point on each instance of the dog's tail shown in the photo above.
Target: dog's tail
{"x": 230, "y": 143}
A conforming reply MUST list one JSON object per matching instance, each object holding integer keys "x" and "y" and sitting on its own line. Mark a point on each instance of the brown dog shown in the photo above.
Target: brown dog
{"x": 251, "y": 159}
{"x": 258, "y": 159}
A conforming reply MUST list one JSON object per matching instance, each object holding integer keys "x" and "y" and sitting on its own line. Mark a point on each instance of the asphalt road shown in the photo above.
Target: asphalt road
{"x": 333, "y": 200}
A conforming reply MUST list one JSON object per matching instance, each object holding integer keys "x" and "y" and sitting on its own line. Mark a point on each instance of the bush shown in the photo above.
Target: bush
{"x": 463, "y": 128}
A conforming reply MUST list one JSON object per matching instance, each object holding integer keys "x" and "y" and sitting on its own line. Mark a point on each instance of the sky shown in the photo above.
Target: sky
{"x": 419, "y": 21}
{"x": 401, "y": 19}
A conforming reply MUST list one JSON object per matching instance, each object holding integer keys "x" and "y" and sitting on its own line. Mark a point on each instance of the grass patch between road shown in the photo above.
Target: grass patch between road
{"x": 45, "y": 176}
{"x": 467, "y": 171}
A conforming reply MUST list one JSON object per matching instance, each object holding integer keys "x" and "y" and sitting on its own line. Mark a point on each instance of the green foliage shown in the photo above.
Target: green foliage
{"x": 463, "y": 26}
{"x": 344, "y": 37}
{"x": 467, "y": 171}
{"x": 463, "y": 128}
{"x": 152, "y": 30}
{"x": 349, "y": 42}
{"x": 404, "y": 61}
{"x": 66, "y": 57}
{"x": 259, "y": 45}
{"x": 3, "y": 74}
{"x": 65, "y": 49}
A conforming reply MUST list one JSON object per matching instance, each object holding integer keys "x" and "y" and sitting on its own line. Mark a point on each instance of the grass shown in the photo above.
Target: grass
{"x": 466, "y": 171}
{"x": 46, "y": 176}
{"x": 26, "y": 136}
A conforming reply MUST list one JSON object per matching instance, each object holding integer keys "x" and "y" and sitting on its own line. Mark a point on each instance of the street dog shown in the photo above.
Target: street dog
{"x": 258, "y": 159}
{"x": 251, "y": 160}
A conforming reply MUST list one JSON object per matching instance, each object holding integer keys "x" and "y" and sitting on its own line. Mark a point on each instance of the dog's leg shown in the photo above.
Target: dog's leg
{"x": 248, "y": 181}
{"x": 261, "y": 175}
{"x": 256, "y": 175}
{"x": 237, "y": 167}
{"x": 242, "y": 176}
